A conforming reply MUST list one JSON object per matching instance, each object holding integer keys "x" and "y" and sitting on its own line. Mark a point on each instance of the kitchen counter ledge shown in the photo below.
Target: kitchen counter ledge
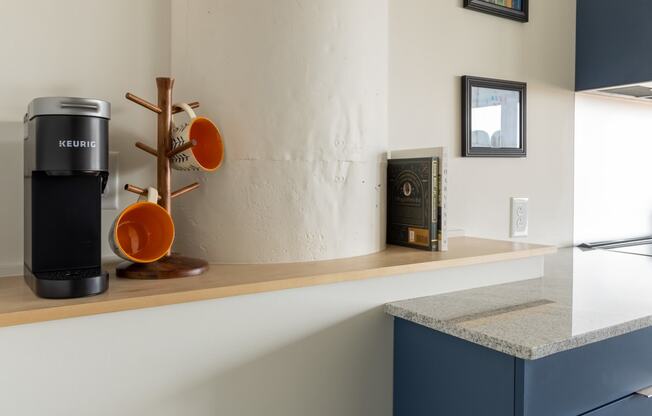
{"x": 18, "y": 305}
{"x": 584, "y": 297}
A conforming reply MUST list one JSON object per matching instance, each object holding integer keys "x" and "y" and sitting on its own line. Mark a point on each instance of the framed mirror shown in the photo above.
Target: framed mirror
{"x": 493, "y": 118}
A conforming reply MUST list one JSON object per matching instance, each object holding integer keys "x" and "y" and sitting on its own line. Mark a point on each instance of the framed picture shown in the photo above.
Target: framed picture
{"x": 511, "y": 9}
{"x": 493, "y": 118}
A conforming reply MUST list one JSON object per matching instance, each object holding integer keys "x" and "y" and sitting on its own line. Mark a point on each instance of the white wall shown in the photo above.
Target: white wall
{"x": 319, "y": 351}
{"x": 432, "y": 44}
{"x": 78, "y": 48}
{"x": 11, "y": 240}
{"x": 613, "y": 147}
{"x": 299, "y": 89}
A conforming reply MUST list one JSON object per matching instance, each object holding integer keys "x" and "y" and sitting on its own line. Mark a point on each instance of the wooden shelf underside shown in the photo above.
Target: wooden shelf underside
{"x": 18, "y": 305}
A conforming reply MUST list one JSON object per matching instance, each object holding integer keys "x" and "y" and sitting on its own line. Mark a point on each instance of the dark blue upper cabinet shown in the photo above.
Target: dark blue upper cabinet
{"x": 614, "y": 43}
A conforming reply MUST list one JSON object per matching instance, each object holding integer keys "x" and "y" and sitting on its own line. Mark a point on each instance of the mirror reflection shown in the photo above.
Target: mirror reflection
{"x": 495, "y": 118}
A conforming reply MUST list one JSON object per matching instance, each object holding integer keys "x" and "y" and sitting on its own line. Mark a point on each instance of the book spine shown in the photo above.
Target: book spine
{"x": 442, "y": 234}
{"x": 434, "y": 215}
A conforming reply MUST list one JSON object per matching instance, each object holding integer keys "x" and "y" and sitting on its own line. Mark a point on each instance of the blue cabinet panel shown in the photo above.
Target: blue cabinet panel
{"x": 633, "y": 405}
{"x": 440, "y": 375}
{"x": 613, "y": 43}
{"x": 436, "y": 374}
{"x": 576, "y": 381}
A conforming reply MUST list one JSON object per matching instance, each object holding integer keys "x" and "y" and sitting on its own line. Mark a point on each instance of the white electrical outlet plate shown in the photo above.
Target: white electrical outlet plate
{"x": 519, "y": 219}
{"x": 110, "y": 195}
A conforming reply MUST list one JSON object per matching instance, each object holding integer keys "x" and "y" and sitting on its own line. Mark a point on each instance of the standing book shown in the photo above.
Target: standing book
{"x": 441, "y": 186}
{"x": 412, "y": 207}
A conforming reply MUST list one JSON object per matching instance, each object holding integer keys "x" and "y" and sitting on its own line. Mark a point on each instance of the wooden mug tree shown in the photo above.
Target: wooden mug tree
{"x": 172, "y": 265}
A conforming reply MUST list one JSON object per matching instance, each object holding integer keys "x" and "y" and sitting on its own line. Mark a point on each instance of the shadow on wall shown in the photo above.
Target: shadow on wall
{"x": 11, "y": 188}
{"x": 362, "y": 344}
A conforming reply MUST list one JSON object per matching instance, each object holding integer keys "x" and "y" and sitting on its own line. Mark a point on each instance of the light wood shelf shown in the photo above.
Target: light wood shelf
{"x": 18, "y": 305}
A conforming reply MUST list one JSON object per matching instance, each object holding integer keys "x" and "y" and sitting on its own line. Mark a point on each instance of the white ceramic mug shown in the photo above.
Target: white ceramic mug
{"x": 143, "y": 232}
{"x": 207, "y": 154}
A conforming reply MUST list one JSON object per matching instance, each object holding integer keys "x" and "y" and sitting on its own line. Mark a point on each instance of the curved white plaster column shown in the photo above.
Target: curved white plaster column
{"x": 299, "y": 90}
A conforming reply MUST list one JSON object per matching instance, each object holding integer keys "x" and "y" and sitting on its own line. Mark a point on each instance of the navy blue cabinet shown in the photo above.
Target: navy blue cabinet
{"x": 613, "y": 43}
{"x": 437, "y": 374}
{"x": 634, "y": 405}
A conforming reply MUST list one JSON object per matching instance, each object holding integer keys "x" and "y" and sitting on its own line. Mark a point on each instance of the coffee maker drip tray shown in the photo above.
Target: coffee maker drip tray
{"x": 67, "y": 284}
{"x": 70, "y": 274}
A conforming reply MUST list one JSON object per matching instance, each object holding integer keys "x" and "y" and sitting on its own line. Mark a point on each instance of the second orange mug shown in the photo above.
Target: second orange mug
{"x": 143, "y": 232}
{"x": 207, "y": 154}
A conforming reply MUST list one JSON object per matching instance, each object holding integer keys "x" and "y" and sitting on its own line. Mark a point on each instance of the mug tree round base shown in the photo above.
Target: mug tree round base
{"x": 170, "y": 267}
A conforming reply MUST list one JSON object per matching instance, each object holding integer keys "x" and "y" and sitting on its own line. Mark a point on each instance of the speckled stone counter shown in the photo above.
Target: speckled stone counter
{"x": 584, "y": 297}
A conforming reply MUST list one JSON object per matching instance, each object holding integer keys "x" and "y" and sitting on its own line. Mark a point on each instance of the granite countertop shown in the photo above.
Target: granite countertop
{"x": 584, "y": 297}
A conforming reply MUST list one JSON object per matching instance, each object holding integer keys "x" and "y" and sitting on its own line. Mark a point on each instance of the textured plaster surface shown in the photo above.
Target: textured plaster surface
{"x": 264, "y": 211}
{"x": 299, "y": 90}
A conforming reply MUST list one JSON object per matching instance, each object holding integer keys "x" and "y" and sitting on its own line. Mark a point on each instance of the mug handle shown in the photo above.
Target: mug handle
{"x": 152, "y": 195}
{"x": 185, "y": 107}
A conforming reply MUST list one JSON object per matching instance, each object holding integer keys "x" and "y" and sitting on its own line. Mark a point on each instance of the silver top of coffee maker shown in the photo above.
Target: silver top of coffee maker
{"x": 66, "y": 136}
{"x": 70, "y": 106}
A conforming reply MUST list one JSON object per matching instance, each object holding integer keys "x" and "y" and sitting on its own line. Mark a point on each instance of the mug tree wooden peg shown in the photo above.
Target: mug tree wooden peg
{"x": 143, "y": 102}
{"x": 137, "y": 190}
{"x": 184, "y": 190}
{"x": 173, "y": 265}
{"x": 147, "y": 148}
{"x": 172, "y": 153}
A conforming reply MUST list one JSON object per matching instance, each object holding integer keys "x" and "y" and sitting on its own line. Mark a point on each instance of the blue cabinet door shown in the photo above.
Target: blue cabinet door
{"x": 633, "y": 405}
{"x": 439, "y": 375}
{"x": 613, "y": 39}
{"x": 576, "y": 381}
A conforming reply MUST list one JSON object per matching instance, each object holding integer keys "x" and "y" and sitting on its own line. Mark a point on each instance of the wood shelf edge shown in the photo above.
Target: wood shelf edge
{"x": 124, "y": 295}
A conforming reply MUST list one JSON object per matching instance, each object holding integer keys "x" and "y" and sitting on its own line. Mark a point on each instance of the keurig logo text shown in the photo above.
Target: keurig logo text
{"x": 77, "y": 143}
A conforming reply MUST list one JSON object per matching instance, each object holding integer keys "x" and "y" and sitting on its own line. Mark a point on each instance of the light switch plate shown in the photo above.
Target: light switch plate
{"x": 110, "y": 195}
{"x": 519, "y": 217}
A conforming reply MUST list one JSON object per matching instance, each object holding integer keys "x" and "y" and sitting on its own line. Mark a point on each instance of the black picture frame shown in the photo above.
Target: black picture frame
{"x": 468, "y": 150}
{"x": 497, "y": 10}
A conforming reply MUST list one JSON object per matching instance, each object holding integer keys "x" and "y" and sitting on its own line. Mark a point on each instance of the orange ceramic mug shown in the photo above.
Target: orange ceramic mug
{"x": 207, "y": 154}
{"x": 143, "y": 232}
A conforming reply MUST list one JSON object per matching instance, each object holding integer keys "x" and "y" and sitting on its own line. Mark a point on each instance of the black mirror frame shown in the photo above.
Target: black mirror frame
{"x": 485, "y": 7}
{"x": 468, "y": 82}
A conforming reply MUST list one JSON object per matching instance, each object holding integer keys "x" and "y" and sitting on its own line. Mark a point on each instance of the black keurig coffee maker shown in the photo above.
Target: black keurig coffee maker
{"x": 66, "y": 169}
